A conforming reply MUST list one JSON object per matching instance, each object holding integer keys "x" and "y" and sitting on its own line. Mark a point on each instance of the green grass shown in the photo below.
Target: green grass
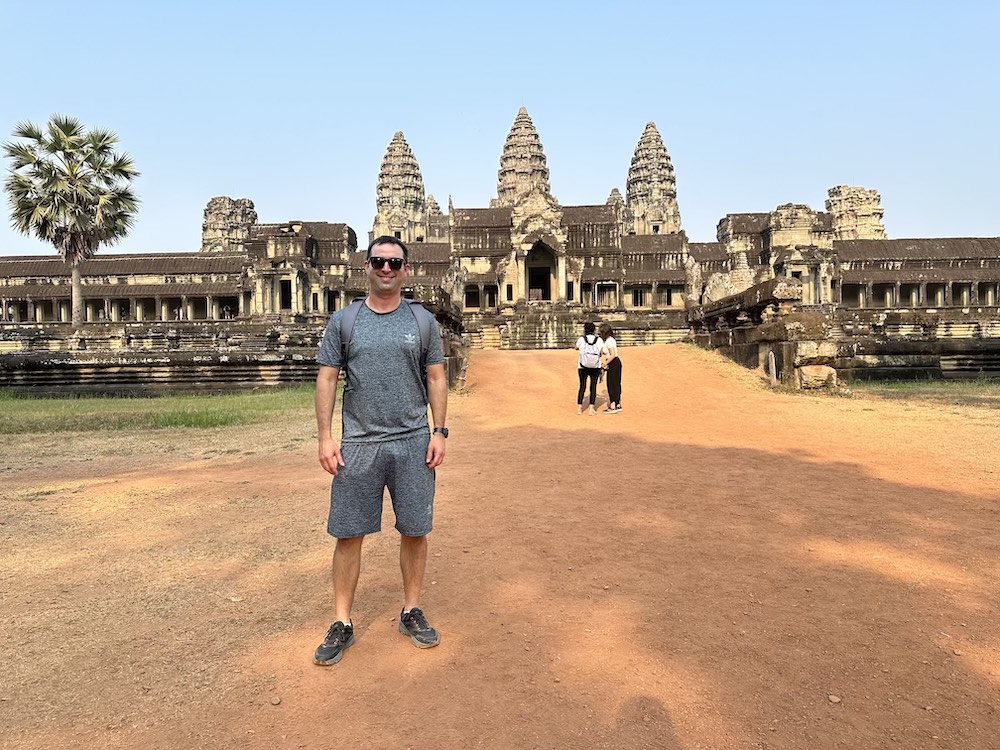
{"x": 978, "y": 392}
{"x": 20, "y": 415}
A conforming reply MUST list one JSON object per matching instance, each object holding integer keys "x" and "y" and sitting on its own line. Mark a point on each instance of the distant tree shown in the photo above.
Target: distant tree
{"x": 68, "y": 187}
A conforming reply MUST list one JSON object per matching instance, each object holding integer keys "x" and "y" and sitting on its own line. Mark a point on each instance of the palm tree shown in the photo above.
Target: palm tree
{"x": 68, "y": 187}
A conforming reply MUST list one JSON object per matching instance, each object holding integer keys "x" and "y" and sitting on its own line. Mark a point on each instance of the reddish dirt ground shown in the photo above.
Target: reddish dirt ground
{"x": 717, "y": 566}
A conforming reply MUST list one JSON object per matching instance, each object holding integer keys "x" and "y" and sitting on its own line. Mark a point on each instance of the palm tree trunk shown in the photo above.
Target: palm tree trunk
{"x": 77, "y": 294}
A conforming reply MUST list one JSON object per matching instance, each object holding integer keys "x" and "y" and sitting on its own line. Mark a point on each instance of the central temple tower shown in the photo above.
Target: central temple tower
{"x": 651, "y": 190}
{"x": 400, "y": 201}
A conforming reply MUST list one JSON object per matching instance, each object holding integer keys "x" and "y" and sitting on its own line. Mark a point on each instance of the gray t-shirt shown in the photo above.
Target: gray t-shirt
{"x": 385, "y": 398}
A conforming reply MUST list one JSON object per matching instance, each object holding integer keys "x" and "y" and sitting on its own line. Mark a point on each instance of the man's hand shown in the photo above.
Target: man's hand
{"x": 329, "y": 456}
{"x": 435, "y": 450}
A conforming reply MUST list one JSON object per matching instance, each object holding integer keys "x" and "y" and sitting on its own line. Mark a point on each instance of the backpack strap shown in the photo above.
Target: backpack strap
{"x": 424, "y": 319}
{"x": 347, "y": 321}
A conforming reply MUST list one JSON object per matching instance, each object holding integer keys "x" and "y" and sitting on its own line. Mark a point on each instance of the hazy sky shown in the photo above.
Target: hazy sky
{"x": 293, "y": 104}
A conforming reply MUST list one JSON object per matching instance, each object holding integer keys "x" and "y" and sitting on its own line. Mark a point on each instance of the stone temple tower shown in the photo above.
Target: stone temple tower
{"x": 857, "y": 213}
{"x": 227, "y": 224}
{"x": 400, "y": 200}
{"x": 523, "y": 169}
{"x": 651, "y": 190}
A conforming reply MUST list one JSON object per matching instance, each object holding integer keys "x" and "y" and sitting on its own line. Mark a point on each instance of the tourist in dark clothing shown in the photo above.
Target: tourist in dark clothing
{"x": 613, "y": 365}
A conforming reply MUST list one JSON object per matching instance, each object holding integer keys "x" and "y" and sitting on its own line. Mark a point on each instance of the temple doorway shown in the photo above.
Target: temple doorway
{"x": 540, "y": 266}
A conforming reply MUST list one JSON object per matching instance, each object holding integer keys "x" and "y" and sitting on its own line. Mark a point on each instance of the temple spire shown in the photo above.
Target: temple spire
{"x": 400, "y": 200}
{"x": 523, "y": 168}
{"x": 651, "y": 189}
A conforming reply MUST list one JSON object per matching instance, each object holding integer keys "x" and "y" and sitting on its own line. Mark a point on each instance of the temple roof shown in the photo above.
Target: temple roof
{"x": 119, "y": 291}
{"x": 320, "y": 230}
{"x": 946, "y": 248}
{"x": 119, "y": 265}
{"x": 482, "y": 217}
{"x": 702, "y": 251}
{"x": 599, "y": 214}
{"x": 754, "y": 223}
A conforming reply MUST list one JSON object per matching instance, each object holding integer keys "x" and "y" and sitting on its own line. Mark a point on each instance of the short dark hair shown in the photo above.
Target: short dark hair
{"x": 387, "y": 240}
{"x": 588, "y": 328}
{"x": 606, "y": 331}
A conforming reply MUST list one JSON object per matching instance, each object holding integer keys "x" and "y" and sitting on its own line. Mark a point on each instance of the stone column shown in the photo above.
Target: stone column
{"x": 653, "y": 303}
{"x": 922, "y": 295}
{"x": 869, "y": 294}
{"x": 974, "y": 301}
{"x": 947, "y": 295}
{"x": 482, "y": 298}
{"x": 896, "y": 291}
{"x": 560, "y": 279}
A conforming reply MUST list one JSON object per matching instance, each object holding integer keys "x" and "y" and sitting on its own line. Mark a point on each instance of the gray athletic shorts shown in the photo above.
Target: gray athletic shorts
{"x": 356, "y": 492}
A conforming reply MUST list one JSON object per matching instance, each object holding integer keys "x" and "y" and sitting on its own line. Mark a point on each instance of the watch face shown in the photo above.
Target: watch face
{"x": 442, "y": 430}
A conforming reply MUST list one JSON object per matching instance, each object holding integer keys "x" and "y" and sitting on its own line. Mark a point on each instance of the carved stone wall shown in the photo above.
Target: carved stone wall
{"x": 227, "y": 224}
{"x": 857, "y": 213}
{"x": 792, "y": 224}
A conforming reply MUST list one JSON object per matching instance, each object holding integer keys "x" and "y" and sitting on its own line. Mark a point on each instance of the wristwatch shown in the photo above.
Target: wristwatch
{"x": 442, "y": 430}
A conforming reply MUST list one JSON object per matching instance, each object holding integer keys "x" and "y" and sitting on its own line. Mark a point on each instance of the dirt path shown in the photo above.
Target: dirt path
{"x": 717, "y": 566}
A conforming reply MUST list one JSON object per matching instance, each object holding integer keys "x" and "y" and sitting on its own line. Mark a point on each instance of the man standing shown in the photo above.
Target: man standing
{"x": 385, "y": 440}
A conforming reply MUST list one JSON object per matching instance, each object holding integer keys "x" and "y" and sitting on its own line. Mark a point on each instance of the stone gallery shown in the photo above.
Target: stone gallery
{"x": 524, "y": 271}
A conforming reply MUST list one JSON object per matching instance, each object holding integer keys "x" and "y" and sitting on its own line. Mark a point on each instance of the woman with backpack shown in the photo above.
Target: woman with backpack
{"x": 609, "y": 358}
{"x": 589, "y": 345}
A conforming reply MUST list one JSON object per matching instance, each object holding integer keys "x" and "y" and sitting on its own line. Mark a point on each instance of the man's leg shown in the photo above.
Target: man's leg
{"x": 346, "y": 569}
{"x": 412, "y": 621}
{"x": 412, "y": 563}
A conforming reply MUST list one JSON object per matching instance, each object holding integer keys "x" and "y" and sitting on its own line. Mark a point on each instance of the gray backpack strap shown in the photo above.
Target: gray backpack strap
{"x": 424, "y": 319}
{"x": 347, "y": 321}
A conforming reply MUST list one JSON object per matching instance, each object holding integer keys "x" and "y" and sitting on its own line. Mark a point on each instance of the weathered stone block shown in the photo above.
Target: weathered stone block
{"x": 815, "y": 376}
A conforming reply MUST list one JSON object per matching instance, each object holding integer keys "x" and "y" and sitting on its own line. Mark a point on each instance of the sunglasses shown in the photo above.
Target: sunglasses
{"x": 394, "y": 263}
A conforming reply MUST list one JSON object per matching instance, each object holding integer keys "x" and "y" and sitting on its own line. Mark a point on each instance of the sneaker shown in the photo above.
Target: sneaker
{"x": 579, "y": 410}
{"x": 338, "y": 639}
{"x": 414, "y": 624}
{"x": 593, "y": 411}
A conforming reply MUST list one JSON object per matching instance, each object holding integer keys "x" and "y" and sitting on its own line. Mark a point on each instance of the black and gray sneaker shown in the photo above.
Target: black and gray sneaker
{"x": 338, "y": 639}
{"x": 414, "y": 624}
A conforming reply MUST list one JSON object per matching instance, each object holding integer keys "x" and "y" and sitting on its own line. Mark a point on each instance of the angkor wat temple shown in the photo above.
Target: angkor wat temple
{"x": 525, "y": 271}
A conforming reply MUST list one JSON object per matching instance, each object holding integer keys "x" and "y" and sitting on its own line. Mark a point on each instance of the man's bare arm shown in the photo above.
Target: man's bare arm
{"x": 437, "y": 396}
{"x": 326, "y": 399}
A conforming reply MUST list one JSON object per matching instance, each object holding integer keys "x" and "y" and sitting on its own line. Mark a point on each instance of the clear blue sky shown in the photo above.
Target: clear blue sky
{"x": 293, "y": 104}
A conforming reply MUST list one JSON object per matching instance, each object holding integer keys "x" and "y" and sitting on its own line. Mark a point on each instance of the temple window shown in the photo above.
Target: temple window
{"x": 962, "y": 294}
{"x": 510, "y": 292}
{"x": 882, "y": 295}
{"x": 472, "y": 297}
{"x": 853, "y": 295}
